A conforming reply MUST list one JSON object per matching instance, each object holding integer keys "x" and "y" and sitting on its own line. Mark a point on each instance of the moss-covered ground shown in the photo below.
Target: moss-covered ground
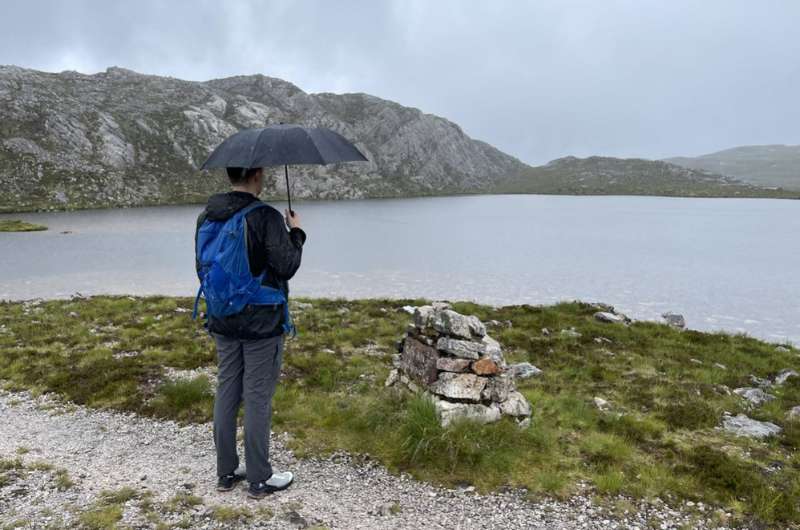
{"x": 666, "y": 389}
{"x": 15, "y": 225}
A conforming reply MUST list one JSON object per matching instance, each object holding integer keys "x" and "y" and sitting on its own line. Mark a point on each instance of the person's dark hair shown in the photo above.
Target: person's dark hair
{"x": 239, "y": 175}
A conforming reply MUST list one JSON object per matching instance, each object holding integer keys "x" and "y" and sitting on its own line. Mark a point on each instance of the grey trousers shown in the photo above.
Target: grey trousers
{"x": 248, "y": 371}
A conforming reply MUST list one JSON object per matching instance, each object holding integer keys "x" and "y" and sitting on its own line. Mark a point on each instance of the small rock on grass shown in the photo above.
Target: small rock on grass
{"x": 741, "y": 425}
{"x": 783, "y": 376}
{"x": 516, "y": 405}
{"x": 523, "y": 370}
{"x": 674, "y": 320}
{"x": 793, "y": 414}
{"x": 601, "y": 404}
{"x": 756, "y": 396}
{"x": 570, "y": 333}
{"x": 610, "y": 318}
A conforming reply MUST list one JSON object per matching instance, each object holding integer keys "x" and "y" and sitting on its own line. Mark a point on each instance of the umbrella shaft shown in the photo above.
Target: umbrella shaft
{"x": 288, "y": 192}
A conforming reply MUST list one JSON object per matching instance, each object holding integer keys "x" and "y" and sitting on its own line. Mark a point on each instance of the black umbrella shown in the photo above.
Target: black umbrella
{"x": 281, "y": 145}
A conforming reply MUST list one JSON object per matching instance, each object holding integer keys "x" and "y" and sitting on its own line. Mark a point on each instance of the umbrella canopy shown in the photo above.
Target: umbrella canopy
{"x": 285, "y": 144}
{"x": 281, "y": 145}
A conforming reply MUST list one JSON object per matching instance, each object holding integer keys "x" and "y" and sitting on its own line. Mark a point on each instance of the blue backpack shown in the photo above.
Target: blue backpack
{"x": 226, "y": 281}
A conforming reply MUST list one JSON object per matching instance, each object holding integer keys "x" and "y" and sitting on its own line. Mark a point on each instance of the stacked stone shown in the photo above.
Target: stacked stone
{"x": 450, "y": 357}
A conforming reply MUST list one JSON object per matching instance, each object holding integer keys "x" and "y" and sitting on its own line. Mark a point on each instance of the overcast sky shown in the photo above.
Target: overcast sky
{"x": 537, "y": 79}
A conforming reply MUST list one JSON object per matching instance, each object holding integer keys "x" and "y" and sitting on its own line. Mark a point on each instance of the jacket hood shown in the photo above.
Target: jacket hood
{"x": 221, "y": 206}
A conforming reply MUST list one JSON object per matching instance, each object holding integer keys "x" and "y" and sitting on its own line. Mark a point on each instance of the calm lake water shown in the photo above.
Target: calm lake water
{"x": 730, "y": 264}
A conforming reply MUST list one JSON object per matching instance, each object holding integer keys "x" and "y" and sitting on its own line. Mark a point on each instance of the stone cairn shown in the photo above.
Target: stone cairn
{"x": 450, "y": 358}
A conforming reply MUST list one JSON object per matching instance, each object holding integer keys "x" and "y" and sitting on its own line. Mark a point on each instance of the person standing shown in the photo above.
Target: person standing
{"x": 250, "y": 342}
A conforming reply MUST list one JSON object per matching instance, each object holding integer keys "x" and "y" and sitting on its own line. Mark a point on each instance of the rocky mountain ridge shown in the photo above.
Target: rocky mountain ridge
{"x": 123, "y": 138}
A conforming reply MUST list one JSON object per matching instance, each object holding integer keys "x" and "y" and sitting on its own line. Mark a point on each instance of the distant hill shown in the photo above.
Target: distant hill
{"x": 763, "y": 165}
{"x": 598, "y": 175}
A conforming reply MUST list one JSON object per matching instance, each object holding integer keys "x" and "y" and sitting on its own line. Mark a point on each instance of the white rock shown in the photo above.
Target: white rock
{"x": 741, "y": 425}
{"x": 611, "y": 318}
{"x": 570, "y": 333}
{"x": 756, "y": 396}
{"x": 601, "y": 403}
{"x": 515, "y": 405}
{"x": 465, "y": 349}
{"x": 455, "y": 324}
{"x": 393, "y": 377}
{"x": 783, "y": 376}
{"x": 523, "y": 370}
{"x": 793, "y": 414}
{"x": 449, "y": 411}
{"x": 458, "y": 386}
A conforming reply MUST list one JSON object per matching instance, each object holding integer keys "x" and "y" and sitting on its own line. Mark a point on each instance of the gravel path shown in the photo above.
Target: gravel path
{"x": 108, "y": 450}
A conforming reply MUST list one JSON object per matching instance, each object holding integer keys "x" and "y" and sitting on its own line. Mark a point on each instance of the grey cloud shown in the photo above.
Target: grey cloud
{"x": 537, "y": 79}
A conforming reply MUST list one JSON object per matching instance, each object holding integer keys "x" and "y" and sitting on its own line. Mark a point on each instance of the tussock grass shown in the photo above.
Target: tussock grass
{"x": 660, "y": 437}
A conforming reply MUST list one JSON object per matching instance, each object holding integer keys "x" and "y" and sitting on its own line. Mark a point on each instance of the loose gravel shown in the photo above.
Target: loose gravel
{"x": 107, "y": 451}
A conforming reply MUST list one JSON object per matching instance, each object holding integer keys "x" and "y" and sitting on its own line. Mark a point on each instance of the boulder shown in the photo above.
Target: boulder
{"x": 465, "y": 349}
{"x": 485, "y": 366}
{"x": 741, "y": 425}
{"x": 458, "y": 386}
{"x": 498, "y": 388}
{"x": 783, "y": 376}
{"x": 454, "y": 324}
{"x": 418, "y": 360}
{"x": 449, "y": 411}
{"x": 450, "y": 364}
{"x": 674, "y": 319}
{"x": 515, "y": 405}
{"x": 610, "y": 318}
{"x": 523, "y": 370}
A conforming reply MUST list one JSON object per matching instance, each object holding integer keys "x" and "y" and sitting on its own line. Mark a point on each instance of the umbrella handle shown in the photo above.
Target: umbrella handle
{"x": 288, "y": 192}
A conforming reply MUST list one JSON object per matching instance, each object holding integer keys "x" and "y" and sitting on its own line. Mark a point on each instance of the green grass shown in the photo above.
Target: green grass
{"x": 15, "y": 225}
{"x": 658, "y": 440}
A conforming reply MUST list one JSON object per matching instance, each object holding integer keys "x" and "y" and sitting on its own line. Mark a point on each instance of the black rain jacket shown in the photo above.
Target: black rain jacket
{"x": 269, "y": 245}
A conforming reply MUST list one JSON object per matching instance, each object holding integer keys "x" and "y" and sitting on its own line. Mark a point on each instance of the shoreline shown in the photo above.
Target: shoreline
{"x": 793, "y": 196}
{"x": 635, "y": 409}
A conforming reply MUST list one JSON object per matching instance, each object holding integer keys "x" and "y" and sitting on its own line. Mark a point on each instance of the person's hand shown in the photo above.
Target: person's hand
{"x": 292, "y": 219}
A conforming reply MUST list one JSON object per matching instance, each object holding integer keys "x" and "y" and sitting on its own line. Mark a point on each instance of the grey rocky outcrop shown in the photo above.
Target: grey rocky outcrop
{"x": 449, "y": 357}
{"x": 674, "y": 319}
{"x": 755, "y": 396}
{"x": 784, "y": 376}
{"x": 741, "y": 425}
{"x": 123, "y": 138}
{"x": 523, "y": 370}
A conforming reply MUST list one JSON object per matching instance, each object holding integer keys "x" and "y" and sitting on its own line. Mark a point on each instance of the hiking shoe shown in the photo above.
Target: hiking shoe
{"x": 227, "y": 482}
{"x": 277, "y": 482}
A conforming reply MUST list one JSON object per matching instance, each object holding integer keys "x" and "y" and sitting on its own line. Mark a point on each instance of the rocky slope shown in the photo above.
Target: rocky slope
{"x": 124, "y": 138}
{"x": 763, "y": 165}
{"x": 598, "y": 175}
